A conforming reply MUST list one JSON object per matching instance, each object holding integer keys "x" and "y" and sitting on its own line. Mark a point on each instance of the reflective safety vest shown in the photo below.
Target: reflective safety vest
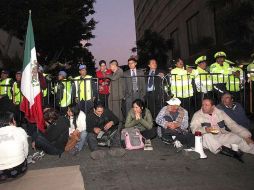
{"x": 203, "y": 80}
{"x": 224, "y": 71}
{"x": 234, "y": 83}
{"x": 5, "y": 88}
{"x": 250, "y": 67}
{"x": 66, "y": 93}
{"x": 83, "y": 87}
{"x": 45, "y": 92}
{"x": 181, "y": 85}
{"x": 17, "y": 96}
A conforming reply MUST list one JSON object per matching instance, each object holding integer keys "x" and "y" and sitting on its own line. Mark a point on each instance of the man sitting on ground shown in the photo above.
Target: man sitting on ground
{"x": 234, "y": 110}
{"x": 102, "y": 125}
{"x": 212, "y": 122}
{"x": 173, "y": 125}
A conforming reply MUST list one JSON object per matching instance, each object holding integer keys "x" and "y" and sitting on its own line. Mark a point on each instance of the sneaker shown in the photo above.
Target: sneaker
{"x": 191, "y": 153}
{"x": 178, "y": 145}
{"x": 97, "y": 154}
{"x": 30, "y": 159}
{"x": 148, "y": 145}
{"x": 38, "y": 155}
{"x": 117, "y": 152}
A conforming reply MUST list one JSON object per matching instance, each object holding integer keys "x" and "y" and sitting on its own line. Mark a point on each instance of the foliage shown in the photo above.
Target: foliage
{"x": 59, "y": 25}
{"x": 152, "y": 45}
{"x": 235, "y": 21}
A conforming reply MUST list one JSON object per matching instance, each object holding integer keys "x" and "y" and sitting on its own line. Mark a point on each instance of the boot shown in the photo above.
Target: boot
{"x": 229, "y": 152}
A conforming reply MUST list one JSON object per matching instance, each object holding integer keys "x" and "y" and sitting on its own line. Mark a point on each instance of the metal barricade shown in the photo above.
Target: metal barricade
{"x": 190, "y": 90}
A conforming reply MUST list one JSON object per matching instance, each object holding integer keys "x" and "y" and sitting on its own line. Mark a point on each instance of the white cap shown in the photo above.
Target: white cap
{"x": 174, "y": 101}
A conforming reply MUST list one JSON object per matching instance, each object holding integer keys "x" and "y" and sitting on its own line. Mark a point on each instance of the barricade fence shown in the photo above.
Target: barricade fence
{"x": 154, "y": 90}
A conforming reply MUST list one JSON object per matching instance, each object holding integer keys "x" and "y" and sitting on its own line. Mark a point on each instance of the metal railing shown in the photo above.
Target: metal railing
{"x": 189, "y": 89}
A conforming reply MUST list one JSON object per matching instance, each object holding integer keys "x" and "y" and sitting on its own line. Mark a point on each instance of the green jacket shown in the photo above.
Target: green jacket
{"x": 142, "y": 124}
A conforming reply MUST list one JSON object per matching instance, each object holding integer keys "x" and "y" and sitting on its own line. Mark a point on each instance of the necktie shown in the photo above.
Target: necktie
{"x": 151, "y": 79}
{"x": 134, "y": 81}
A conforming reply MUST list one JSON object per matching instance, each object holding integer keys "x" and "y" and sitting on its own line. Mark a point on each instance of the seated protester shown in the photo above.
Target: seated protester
{"x": 173, "y": 125}
{"x": 101, "y": 120}
{"x": 141, "y": 118}
{"x": 13, "y": 147}
{"x": 77, "y": 127}
{"x": 234, "y": 110}
{"x": 54, "y": 139}
{"x": 211, "y": 122}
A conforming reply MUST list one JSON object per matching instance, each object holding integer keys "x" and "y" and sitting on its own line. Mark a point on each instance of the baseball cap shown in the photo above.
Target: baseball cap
{"x": 63, "y": 73}
{"x": 200, "y": 59}
{"x": 82, "y": 67}
{"x": 5, "y": 71}
{"x": 220, "y": 54}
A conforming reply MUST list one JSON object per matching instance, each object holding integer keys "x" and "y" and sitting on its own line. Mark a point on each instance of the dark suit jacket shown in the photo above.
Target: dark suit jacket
{"x": 128, "y": 86}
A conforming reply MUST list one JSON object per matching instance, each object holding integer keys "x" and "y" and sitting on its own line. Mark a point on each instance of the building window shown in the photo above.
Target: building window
{"x": 175, "y": 43}
{"x": 193, "y": 34}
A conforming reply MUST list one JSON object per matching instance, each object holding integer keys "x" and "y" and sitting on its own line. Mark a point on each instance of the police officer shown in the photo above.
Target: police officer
{"x": 17, "y": 97}
{"x": 63, "y": 91}
{"x": 250, "y": 74}
{"x": 16, "y": 93}
{"x": 220, "y": 71}
{"x": 181, "y": 84}
{"x": 85, "y": 89}
{"x": 203, "y": 80}
{"x": 235, "y": 80}
{"x": 250, "y": 69}
{"x": 5, "y": 84}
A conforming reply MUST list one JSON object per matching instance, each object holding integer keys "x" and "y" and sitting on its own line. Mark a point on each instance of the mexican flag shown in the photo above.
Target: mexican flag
{"x": 31, "y": 104}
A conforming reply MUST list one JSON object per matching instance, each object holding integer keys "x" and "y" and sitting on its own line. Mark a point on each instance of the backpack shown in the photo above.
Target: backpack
{"x": 132, "y": 138}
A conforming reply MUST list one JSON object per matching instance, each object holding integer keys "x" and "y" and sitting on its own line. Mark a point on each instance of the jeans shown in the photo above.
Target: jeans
{"x": 93, "y": 141}
{"x": 82, "y": 140}
{"x": 42, "y": 143}
{"x": 187, "y": 139}
{"x": 149, "y": 133}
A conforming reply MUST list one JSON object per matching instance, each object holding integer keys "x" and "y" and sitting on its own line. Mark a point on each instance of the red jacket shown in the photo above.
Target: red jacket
{"x": 103, "y": 82}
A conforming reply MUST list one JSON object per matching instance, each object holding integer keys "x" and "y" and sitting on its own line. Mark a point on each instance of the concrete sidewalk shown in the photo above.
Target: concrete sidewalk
{"x": 159, "y": 169}
{"x": 64, "y": 178}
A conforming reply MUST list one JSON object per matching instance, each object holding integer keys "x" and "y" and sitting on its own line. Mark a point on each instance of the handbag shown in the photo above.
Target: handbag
{"x": 72, "y": 141}
{"x": 132, "y": 138}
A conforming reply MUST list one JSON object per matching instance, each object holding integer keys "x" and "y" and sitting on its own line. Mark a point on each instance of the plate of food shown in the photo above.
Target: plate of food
{"x": 215, "y": 131}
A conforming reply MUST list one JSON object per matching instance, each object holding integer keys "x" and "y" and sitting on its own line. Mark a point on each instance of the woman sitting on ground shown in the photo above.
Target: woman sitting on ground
{"x": 54, "y": 139}
{"x": 141, "y": 118}
{"x": 13, "y": 148}
{"x": 77, "y": 127}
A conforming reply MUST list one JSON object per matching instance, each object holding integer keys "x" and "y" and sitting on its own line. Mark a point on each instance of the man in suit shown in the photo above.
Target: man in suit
{"x": 154, "y": 94}
{"x": 116, "y": 89}
{"x": 134, "y": 84}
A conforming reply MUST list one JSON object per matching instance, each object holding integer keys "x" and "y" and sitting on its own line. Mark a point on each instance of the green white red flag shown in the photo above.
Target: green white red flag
{"x": 31, "y": 104}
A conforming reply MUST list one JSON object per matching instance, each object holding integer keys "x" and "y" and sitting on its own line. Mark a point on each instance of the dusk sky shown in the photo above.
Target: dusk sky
{"x": 115, "y": 31}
